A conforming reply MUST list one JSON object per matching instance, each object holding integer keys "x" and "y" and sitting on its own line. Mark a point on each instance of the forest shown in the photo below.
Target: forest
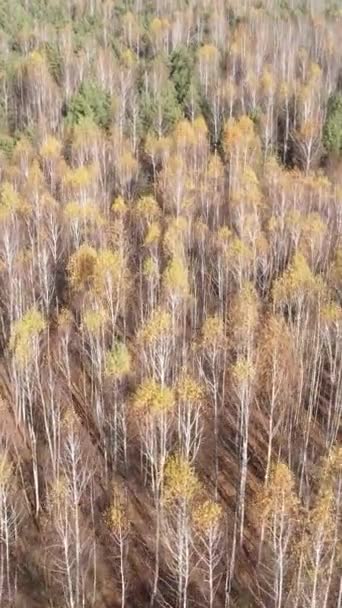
{"x": 170, "y": 303}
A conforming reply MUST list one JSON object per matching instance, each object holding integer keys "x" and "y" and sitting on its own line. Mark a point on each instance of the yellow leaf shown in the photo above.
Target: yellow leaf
{"x": 153, "y": 398}
{"x": 181, "y": 481}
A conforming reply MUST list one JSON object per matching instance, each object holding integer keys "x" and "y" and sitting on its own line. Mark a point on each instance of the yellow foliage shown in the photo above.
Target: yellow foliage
{"x": 153, "y": 398}
{"x": 246, "y": 308}
{"x": 276, "y": 333}
{"x": 35, "y": 60}
{"x": 274, "y": 223}
{"x": 238, "y": 132}
{"x": 181, "y": 482}
{"x": 34, "y": 68}
{"x": 336, "y": 268}
{"x": 176, "y": 278}
{"x": 82, "y": 267}
{"x": 318, "y": 182}
{"x": 331, "y": 468}
{"x": 74, "y": 211}
{"x": 213, "y": 332}
{"x": 47, "y": 202}
{"x": 224, "y": 235}
{"x": 116, "y": 234}
{"x": 304, "y": 93}
{"x": 147, "y": 208}
{"x": 23, "y": 149}
{"x": 128, "y": 58}
{"x": 118, "y": 361}
{"x": 119, "y": 206}
{"x": 175, "y": 235}
{"x": 153, "y": 234}
{"x": 208, "y": 53}
{"x": 267, "y": 82}
{"x": 156, "y": 26}
{"x": 9, "y": 201}
{"x": 279, "y": 495}
{"x": 88, "y": 268}
{"x": 293, "y": 219}
{"x": 323, "y": 510}
{"x": 331, "y": 313}
{"x": 58, "y": 492}
{"x": 189, "y": 134}
{"x": 189, "y": 390}
{"x": 69, "y": 419}
{"x": 313, "y": 228}
{"x": 276, "y": 346}
{"x": 116, "y": 517}
{"x": 129, "y": 19}
{"x": 51, "y": 148}
{"x": 200, "y": 128}
{"x": 5, "y": 470}
{"x": 35, "y": 176}
{"x": 284, "y": 90}
{"x": 314, "y": 73}
{"x": 175, "y": 167}
{"x": 157, "y": 147}
{"x": 322, "y": 516}
{"x": 150, "y": 268}
{"x": 248, "y": 190}
{"x": 110, "y": 265}
{"x": 215, "y": 167}
{"x": 157, "y": 326}
{"x": 297, "y": 280}
{"x": 184, "y": 133}
{"x": 85, "y": 134}
{"x": 127, "y": 163}
{"x": 81, "y": 177}
{"x": 94, "y": 320}
{"x": 87, "y": 212}
{"x": 207, "y": 516}
{"x": 23, "y": 334}
{"x": 243, "y": 370}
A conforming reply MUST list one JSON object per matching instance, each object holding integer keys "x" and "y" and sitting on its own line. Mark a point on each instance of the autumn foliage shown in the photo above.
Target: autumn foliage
{"x": 170, "y": 303}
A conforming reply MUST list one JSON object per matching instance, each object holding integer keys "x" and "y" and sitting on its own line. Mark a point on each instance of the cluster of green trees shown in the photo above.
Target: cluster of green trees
{"x": 333, "y": 125}
{"x": 171, "y": 303}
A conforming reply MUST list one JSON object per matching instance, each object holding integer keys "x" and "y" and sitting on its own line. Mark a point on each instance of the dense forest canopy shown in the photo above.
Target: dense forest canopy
{"x": 170, "y": 303}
